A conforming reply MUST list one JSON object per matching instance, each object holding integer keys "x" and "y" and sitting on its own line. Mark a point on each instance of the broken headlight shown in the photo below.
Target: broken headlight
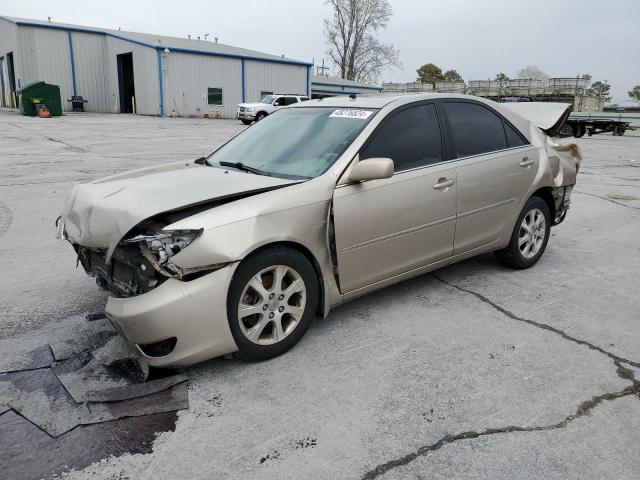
{"x": 160, "y": 247}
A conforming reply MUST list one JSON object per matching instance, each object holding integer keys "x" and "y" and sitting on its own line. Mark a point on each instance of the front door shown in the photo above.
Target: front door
{"x": 495, "y": 168}
{"x": 387, "y": 227}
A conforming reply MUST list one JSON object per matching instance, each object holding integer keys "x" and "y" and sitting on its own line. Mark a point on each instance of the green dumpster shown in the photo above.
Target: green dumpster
{"x": 38, "y": 93}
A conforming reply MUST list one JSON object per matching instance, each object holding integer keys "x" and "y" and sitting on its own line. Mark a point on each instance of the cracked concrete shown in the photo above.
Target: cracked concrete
{"x": 584, "y": 449}
{"x": 584, "y": 408}
{"x": 617, "y": 360}
{"x": 486, "y": 373}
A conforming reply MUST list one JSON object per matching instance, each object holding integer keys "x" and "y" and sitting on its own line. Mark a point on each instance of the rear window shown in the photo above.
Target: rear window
{"x": 514, "y": 139}
{"x": 474, "y": 129}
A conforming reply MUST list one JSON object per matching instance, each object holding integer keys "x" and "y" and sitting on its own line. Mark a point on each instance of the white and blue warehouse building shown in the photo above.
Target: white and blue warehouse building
{"x": 129, "y": 72}
{"x": 118, "y": 71}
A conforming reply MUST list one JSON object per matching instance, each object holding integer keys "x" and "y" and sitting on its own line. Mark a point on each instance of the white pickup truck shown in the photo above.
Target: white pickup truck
{"x": 248, "y": 112}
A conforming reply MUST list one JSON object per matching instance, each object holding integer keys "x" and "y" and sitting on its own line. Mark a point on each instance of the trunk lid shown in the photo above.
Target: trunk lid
{"x": 549, "y": 117}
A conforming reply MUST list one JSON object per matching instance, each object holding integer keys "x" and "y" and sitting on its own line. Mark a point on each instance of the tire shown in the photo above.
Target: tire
{"x": 246, "y": 122}
{"x": 523, "y": 256}
{"x": 267, "y": 306}
{"x": 579, "y": 131}
{"x": 260, "y": 116}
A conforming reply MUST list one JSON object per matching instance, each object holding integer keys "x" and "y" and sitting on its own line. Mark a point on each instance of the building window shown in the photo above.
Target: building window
{"x": 214, "y": 96}
{"x": 265, "y": 93}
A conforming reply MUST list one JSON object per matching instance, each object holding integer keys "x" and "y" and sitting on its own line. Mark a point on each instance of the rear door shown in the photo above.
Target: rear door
{"x": 390, "y": 226}
{"x": 495, "y": 168}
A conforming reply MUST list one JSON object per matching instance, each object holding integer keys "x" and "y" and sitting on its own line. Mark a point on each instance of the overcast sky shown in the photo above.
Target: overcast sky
{"x": 477, "y": 38}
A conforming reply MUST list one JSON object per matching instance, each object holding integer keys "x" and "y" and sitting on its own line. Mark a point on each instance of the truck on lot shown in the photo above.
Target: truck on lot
{"x": 248, "y": 112}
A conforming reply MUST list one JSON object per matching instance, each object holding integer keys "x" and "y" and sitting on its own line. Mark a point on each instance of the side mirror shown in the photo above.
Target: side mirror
{"x": 371, "y": 169}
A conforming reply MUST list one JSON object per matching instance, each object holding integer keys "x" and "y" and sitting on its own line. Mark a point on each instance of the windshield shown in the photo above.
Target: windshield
{"x": 268, "y": 99}
{"x": 295, "y": 142}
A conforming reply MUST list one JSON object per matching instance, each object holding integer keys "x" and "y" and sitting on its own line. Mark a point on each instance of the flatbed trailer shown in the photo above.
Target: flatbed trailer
{"x": 577, "y": 127}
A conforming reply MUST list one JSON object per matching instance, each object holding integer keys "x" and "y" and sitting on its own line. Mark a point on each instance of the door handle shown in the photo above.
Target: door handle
{"x": 526, "y": 162}
{"x": 443, "y": 183}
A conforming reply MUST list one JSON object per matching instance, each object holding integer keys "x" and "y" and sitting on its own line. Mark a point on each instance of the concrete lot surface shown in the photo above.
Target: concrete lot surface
{"x": 474, "y": 371}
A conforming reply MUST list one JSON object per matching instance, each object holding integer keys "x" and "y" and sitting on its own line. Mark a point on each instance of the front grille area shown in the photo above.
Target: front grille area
{"x": 129, "y": 273}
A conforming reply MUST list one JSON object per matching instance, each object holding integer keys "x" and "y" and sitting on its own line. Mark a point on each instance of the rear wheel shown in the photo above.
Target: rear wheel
{"x": 272, "y": 300}
{"x": 530, "y": 236}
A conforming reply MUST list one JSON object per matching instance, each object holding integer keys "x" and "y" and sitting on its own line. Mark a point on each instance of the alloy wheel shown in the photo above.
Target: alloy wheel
{"x": 272, "y": 304}
{"x": 532, "y": 233}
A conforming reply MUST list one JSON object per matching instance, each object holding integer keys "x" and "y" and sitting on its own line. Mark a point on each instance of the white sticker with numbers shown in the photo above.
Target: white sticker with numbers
{"x": 351, "y": 113}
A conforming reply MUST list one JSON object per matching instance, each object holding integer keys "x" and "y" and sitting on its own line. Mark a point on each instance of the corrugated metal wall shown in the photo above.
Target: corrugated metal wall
{"x": 187, "y": 78}
{"x": 89, "y": 51}
{"x": 274, "y": 77}
{"x": 145, "y": 74}
{"x": 45, "y": 56}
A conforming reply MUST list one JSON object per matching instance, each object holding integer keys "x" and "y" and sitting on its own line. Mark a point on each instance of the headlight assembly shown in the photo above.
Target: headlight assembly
{"x": 159, "y": 248}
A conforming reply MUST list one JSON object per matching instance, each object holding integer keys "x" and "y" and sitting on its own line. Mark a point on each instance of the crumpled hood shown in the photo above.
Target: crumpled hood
{"x": 98, "y": 214}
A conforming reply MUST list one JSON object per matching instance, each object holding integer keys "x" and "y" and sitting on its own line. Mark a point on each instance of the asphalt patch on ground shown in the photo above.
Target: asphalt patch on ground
{"x": 29, "y": 453}
{"x": 78, "y": 392}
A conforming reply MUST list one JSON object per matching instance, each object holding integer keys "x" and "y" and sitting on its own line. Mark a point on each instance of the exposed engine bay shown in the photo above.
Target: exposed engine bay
{"x": 142, "y": 259}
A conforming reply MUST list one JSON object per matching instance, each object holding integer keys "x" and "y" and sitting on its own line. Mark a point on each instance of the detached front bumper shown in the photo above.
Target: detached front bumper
{"x": 194, "y": 313}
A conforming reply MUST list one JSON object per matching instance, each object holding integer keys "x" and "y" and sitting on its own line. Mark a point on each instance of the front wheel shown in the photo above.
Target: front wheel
{"x": 530, "y": 236}
{"x": 260, "y": 116}
{"x": 246, "y": 122}
{"x": 272, "y": 300}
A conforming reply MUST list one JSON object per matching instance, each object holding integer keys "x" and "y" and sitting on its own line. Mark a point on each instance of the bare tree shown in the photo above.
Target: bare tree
{"x": 533, "y": 72}
{"x": 351, "y": 36}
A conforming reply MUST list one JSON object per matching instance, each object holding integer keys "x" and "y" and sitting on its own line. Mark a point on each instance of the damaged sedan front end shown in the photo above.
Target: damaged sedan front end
{"x": 121, "y": 231}
{"x": 141, "y": 262}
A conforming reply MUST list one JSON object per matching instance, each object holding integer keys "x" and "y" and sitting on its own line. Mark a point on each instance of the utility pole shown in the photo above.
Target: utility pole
{"x": 322, "y": 69}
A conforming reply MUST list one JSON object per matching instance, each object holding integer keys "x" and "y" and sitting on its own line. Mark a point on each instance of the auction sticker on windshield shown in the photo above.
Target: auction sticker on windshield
{"x": 351, "y": 113}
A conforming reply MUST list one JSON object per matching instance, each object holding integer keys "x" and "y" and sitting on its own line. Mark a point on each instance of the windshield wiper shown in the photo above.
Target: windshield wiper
{"x": 243, "y": 167}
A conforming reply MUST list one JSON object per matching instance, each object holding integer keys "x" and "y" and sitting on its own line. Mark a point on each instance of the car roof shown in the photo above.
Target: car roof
{"x": 392, "y": 100}
{"x": 375, "y": 100}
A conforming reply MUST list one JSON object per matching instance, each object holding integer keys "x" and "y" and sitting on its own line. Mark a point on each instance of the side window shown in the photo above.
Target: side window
{"x": 290, "y": 100}
{"x": 474, "y": 129}
{"x": 514, "y": 139}
{"x": 411, "y": 138}
{"x": 279, "y": 102}
{"x": 214, "y": 96}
